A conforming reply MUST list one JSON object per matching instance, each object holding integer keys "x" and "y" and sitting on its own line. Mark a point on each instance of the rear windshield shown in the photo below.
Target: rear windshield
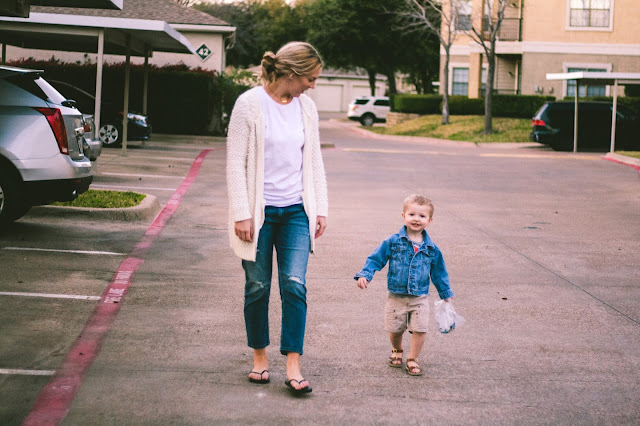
{"x": 361, "y": 101}
{"x": 37, "y": 86}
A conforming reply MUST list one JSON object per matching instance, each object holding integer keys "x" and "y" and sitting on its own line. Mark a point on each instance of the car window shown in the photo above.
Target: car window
{"x": 361, "y": 101}
{"x": 382, "y": 102}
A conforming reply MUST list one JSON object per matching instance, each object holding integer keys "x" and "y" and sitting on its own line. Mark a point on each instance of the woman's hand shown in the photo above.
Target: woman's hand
{"x": 244, "y": 230}
{"x": 321, "y": 225}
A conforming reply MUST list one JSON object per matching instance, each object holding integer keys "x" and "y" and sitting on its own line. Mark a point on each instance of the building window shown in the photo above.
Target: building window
{"x": 590, "y": 13}
{"x": 588, "y": 91}
{"x": 460, "y": 82}
{"x": 463, "y": 16}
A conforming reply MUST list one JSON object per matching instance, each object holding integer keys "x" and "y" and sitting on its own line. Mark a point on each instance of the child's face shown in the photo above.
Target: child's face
{"x": 416, "y": 217}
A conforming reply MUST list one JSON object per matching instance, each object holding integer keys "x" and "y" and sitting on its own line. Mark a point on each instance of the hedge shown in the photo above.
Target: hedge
{"x": 180, "y": 100}
{"x": 516, "y": 106}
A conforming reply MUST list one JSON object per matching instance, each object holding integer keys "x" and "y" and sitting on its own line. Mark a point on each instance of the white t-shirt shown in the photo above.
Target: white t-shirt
{"x": 283, "y": 143}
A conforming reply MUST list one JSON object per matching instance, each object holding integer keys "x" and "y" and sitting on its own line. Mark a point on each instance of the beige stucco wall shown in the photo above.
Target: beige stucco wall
{"x": 547, "y": 21}
{"x": 535, "y": 66}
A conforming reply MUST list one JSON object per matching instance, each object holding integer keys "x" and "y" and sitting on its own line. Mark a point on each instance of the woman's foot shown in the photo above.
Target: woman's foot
{"x": 295, "y": 381}
{"x": 260, "y": 371}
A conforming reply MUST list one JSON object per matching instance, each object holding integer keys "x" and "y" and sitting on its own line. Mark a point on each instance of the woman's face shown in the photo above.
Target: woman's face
{"x": 300, "y": 83}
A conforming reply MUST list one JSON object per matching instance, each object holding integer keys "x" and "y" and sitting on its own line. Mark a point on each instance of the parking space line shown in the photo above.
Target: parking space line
{"x": 49, "y": 295}
{"x": 131, "y": 187}
{"x": 54, "y": 401}
{"x": 139, "y": 175}
{"x": 13, "y": 371}
{"x": 102, "y": 253}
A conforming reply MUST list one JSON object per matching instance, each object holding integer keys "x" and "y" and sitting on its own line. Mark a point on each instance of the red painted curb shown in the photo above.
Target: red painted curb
{"x": 54, "y": 400}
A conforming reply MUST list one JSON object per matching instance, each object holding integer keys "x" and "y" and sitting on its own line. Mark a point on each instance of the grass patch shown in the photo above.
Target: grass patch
{"x": 104, "y": 199}
{"x": 468, "y": 128}
{"x": 634, "y": 154}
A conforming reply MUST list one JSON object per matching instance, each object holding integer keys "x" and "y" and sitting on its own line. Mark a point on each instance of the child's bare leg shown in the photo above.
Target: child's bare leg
{"x": 396, "y": 343}
{"x": 415, "y": 347}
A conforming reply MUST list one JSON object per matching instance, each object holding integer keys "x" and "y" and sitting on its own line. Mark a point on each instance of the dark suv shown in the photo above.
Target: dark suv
{"x": 554, "y": 122}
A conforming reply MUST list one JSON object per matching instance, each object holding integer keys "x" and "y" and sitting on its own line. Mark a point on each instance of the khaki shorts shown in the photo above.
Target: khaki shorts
{"x": 406, "y": 312}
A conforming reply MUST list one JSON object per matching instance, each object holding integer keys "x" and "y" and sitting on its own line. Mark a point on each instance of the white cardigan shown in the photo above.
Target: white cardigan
{"x": 245, "y": 169}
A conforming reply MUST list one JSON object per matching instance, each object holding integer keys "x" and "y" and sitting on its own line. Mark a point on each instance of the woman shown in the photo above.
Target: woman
{"x": 277, "y": 198}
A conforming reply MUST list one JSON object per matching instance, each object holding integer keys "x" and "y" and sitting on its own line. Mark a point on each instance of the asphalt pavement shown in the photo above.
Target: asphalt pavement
{"x": 542, "y": 252}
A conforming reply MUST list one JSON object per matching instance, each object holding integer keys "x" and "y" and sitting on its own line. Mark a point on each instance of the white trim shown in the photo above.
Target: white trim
{"x": 457, "y": 50}
{"x": 20, "y": 372}
{"x": 204, "y": 28}
{"x": 581, "y": 48}
{"x": 568, "y": 26}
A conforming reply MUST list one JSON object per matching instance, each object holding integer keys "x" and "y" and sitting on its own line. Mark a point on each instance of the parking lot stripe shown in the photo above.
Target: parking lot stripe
{"x": 105, "y": 253}
{"x": 49, "y": 295}
{"x": 54, "y": 401}
{"x": 17, "y": 372}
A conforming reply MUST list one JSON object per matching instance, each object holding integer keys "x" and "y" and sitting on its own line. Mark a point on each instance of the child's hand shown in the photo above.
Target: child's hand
{"x": 363, "y": 282}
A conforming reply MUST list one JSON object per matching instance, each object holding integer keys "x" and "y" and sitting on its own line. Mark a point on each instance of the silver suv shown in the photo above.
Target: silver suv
{"x": 41, "y": 145}
{"x": 369, "y": 109}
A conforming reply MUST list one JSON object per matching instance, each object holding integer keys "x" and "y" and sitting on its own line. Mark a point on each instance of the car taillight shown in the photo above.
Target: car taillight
{"x": 535, "y": 122}
{"x": 54, "y": 117}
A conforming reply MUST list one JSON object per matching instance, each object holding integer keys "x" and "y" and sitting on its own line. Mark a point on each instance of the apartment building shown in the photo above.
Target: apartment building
{"x": 543, "y": 36}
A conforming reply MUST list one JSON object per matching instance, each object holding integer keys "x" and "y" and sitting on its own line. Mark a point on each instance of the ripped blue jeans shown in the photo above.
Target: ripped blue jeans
{"x": 286, "y": 229}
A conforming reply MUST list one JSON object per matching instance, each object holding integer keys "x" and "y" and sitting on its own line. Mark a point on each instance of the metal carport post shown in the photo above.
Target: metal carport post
{"x": 119, "y": 36}
{"x": 608, "y": 78}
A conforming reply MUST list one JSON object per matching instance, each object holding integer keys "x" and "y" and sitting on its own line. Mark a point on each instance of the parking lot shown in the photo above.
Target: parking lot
{"x": 541, "y": 247}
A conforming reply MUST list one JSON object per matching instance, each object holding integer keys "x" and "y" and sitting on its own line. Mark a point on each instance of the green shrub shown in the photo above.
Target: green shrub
{"x": 462, "y": 105}
{"x": 416, "y": 104}
{"x": 180, "y": 100}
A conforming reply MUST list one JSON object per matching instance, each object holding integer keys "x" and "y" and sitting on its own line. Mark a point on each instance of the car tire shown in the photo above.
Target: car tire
{"x": 110, "y": 134}
{"x": 12, "y": 205}
{"x": 367, "y": 120}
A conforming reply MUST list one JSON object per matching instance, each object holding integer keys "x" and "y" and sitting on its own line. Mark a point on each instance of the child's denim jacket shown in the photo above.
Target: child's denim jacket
{"x": 409, "y": 272}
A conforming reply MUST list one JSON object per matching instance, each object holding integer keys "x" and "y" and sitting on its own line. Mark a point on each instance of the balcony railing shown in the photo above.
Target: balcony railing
{"x": 510, "y": 29}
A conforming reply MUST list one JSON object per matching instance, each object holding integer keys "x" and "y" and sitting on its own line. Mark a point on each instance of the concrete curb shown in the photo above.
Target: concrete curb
{"x": 147, "y": 209}
{"x": 630, "y": 161}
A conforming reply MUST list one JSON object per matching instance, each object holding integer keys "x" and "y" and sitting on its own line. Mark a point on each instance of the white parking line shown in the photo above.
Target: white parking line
{"x": 93, "y": 185}
{"x": 107, "y": 253}
{"x": 139, "y": 175}
{"x": 12, "y": 371}
{"x": 49, "y": 295}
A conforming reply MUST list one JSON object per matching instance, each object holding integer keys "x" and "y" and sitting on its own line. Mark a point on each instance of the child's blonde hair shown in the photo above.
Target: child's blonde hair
{"x": 297, "y": 57}
{"x": 420, "y": 200}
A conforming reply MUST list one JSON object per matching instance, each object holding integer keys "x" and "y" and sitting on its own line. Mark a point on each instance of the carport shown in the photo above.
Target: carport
{"x": 609, "y": 78}
{"x": 94, "y": 34}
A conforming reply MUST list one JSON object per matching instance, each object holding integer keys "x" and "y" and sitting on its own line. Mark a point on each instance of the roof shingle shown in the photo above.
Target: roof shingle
{"x": 157, "y": 10}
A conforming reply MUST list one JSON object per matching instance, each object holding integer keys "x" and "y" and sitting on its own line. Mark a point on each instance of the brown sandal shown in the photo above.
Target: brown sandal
{"x": 394, "y": 361}
{"x": 415, "y": 370}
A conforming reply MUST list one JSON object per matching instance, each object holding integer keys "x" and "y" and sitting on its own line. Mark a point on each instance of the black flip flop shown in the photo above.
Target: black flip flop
{"x": 260, "y": 381}
{"x": 298, "y": 391}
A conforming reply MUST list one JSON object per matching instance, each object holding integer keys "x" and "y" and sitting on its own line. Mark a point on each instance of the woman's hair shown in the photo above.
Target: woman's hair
{"x": 421, "y": 200}
{"x": 296, "y": 57}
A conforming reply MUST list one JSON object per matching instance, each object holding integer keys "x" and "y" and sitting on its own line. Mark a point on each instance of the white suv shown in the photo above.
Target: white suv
{"x": 41, "y": 145}
{"x": 369, "y": 109}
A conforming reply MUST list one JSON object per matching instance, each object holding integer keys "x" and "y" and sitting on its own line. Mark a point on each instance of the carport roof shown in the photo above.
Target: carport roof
{"x": 598, "y": 77}
{"x": 101, "y": 4}
{"x": 68, "y": 32}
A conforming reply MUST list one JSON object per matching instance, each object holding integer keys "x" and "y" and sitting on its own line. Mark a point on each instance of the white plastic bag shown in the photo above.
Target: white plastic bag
{"x": 446, "y": 316}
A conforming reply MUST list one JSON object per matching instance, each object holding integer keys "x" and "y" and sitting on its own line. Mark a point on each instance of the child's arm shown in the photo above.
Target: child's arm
{"x": 440, "y": 277}
{"x": 375, "y": 262}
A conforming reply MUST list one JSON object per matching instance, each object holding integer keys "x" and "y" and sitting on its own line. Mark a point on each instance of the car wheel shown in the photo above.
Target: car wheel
{"x": 12, "y": 206}
{"x": 110, "y": 135}
{"x": 367, "y": 120}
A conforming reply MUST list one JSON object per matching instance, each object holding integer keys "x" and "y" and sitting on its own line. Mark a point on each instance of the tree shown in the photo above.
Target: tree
{"x": 361, "y": 34}
{"x": 431, "y": 16}
{"x": 260, "y": 26}
{"x": 485, "y": 31}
